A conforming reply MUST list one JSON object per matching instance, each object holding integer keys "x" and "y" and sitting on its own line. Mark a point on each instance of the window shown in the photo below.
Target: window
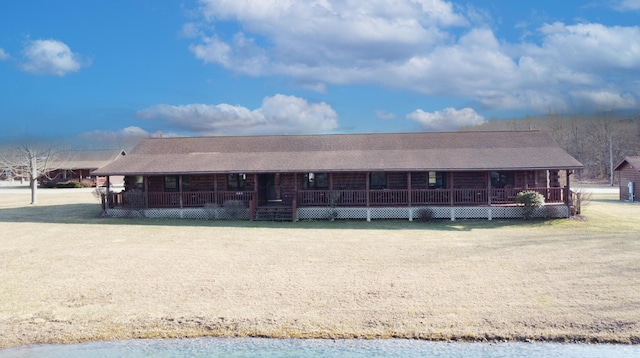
{"x": 171, "y": 183}
{"x": 317, "y": 181}
{"x": 236, "y": 181}
{"x": 502, "y": 179}
{"x": 378, "y": 180}
{"x": 437, "y": 180}
{"x": 136, "y": 182}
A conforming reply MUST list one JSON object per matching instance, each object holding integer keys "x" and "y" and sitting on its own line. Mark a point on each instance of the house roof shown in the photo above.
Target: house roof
{"x": 86, "y": 159}
{"x": 634, "y": 162}
{"x": 441, "y": 151}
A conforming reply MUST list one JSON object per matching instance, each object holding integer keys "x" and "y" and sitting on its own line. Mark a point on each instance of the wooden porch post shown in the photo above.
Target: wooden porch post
{"x": 330, "y": 181}
{"x": 180, "y": 190}
{"x": 294, "y": 203}
{"x": 367, "y": 180}
{"x": 489, "y": 188}
{"x": 215, "y": 188}
{"x": 451, "y": 188}
{"x": 145, "y": 179}
{"x": 107, "y": 196}
{"x": 253, "y": 204}
{"x": 409, "y": 188}
{"x": 568, "y": 198}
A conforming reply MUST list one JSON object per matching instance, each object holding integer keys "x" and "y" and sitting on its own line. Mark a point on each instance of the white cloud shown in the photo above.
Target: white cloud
{"x": 446, "y": 120}
{"x": 427, "y": 46}
{"x": 3, "y": 55}
{"x": 190, "y": 30}
{"x": 243, "y": 55}
{"x": 278, "y": 114}
{"x": 50, "y": 57}
{"x": 381, "y": 114}
{"x": 326, "y": 34}
{"x": 627, "y": 5}
{"x": 603, "y": 100}
{"x": 590, "y": 47}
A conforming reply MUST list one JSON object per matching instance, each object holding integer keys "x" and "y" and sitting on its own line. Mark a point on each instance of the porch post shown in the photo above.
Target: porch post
{"x": 180, "y": 190}
{"x": 106, "y": 195}
{"x": 145, "y": 179}
{"x": 367, "y": 180}
{"x": 568, "y": 198}
{"x": 409, "y": 188}
{"x": 253, "y": 203}
{"x": 294, "y": 203}
{"x": 489, "y": 188}
{"x": 451, "y": 188}
{"x": 330, "y": 181}
{"x": 215, "y": 188}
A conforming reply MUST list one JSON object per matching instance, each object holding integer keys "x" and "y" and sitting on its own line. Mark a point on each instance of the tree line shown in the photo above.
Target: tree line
{"x": 598, "y": 141}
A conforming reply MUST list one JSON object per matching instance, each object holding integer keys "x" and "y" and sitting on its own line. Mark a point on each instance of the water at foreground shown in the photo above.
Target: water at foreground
{"x": 350, "y": 348}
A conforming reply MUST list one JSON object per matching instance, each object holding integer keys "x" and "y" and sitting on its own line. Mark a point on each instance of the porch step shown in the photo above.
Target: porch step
{"x": 274, "y": 213}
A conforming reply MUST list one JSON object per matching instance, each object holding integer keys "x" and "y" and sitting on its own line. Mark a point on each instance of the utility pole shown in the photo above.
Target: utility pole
{"x": 611, "y": 158}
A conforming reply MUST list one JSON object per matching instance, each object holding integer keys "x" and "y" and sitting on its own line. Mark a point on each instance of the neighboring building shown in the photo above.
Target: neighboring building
{"x": 629, "y": 177}
{"x": 77, "y": 165}
{"x": 343, "y": 176}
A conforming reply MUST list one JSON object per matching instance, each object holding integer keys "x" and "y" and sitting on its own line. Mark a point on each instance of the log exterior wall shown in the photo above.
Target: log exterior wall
{"x": 358, "y": 181}
{"x": 349, "y": 181}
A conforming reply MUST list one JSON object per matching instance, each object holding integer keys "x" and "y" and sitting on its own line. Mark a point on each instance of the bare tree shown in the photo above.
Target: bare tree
{"x": 30, "y": 161}
{"x": 598, "y": 141}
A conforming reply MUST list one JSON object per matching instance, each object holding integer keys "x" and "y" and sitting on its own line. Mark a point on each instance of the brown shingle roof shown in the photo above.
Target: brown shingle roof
{"x": 633, "y": 161}
{"x": 456, "y": 151}
{"x": 85, "y": 159}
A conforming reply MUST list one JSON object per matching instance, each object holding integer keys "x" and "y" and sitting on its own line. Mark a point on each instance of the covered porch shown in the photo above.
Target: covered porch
{"x": 312, "y": 195}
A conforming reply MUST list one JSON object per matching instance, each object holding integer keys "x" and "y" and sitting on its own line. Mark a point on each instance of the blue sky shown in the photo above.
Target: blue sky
{"x": 105, "y": 71}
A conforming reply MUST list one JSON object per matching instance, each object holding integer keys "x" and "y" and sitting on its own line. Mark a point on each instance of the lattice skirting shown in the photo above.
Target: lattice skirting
{"x": 438, "y": 212}
{"x": 354, "y": 213}
{"x": 188, "y": 213}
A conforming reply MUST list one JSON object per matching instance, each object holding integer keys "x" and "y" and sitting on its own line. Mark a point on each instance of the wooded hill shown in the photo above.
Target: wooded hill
{"x": 597, "y": 141}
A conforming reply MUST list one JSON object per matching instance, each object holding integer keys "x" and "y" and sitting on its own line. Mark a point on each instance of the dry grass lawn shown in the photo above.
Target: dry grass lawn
{"x": 68, "y": 275}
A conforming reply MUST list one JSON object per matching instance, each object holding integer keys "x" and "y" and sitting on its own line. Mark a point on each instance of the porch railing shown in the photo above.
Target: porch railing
{"x": 140, "y": 199}
{"x": 421, "y": 197}
{"x": 386, "y": 197}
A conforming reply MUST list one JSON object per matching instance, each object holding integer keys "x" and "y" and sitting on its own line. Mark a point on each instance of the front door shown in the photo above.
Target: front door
{"x": 269, "y": 190}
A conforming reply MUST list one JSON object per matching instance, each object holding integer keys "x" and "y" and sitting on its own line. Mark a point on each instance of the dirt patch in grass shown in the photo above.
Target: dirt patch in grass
{"x": 69, "y": 275}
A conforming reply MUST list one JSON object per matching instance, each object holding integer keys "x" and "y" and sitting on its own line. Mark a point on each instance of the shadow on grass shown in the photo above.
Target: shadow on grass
{"x": 92, "y": 214}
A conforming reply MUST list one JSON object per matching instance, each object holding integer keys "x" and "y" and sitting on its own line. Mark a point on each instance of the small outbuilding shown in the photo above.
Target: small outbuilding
{"x": 629, "y": 174}
{"x": 77, "y": 165}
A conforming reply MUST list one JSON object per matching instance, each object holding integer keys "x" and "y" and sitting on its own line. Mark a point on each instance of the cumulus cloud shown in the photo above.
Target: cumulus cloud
{"x": 279, "y": 114}
{"x": 50, "y": 57}
{"x": 428, "y": 46}
{"x": 446, "y": 120}
{"x": 327, "y": 34}
{"x": 3, "y": 55}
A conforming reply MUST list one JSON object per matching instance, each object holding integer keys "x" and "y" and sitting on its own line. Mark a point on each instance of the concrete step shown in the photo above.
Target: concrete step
{"x": 275, "y": 213}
